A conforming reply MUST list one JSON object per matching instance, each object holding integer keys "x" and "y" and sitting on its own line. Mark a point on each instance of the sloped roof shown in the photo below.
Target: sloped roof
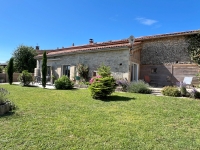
{"x": 167, "y": 35}
{"x": 88, "y": 47}
{"x": 110, "y": 44}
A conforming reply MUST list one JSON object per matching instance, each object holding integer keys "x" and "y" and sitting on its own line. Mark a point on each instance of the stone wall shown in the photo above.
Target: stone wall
{"x": 170, "y": 50}
{"x": 118, "y": 60}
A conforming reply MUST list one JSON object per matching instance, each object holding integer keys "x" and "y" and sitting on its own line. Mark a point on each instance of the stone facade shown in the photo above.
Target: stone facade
{"x": 155, "y": 56}
{"x": 168, "y": 50}
{"x": 118, "y": 60}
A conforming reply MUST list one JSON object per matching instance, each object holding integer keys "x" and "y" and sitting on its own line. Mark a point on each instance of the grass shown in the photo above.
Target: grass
{"x": 71, "y": 119}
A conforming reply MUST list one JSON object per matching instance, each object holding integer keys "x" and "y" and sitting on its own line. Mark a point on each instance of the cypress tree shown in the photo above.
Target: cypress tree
{"x": 10, "y": 71}
{"x": 44, "y": 69}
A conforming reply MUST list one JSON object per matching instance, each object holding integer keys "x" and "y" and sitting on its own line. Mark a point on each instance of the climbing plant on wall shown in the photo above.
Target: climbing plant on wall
{"x": 83, "y": 71}
{"x": 194, "y": 47}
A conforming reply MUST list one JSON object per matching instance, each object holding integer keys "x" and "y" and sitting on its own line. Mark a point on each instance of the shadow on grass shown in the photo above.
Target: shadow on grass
{"x": 116, "y": 98}
{"x": 24, "y": 86}
{"x": 73, "y": 89}
{"x": 10, "y": 113}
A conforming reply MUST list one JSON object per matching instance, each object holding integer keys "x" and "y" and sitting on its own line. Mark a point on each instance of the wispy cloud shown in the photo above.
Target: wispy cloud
{"x": 146, "y": 21}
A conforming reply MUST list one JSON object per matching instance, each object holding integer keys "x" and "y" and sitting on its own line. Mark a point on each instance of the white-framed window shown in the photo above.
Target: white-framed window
{"x": 66, "y": 70}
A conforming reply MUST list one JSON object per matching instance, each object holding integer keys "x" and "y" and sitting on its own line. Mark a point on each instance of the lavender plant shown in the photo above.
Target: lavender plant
{"x": 4, "y": 100}
{"x": 123, "y": 83}
{"x": 194, "y": 93}
{"x": 3, "y": 93}
{"x": 182, "y": 87}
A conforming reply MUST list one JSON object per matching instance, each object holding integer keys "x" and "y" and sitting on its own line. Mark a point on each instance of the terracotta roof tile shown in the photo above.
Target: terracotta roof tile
{"x": 88, "y": 47}
{"x": 109, "y": 44}
{"x": 167, "y": 35}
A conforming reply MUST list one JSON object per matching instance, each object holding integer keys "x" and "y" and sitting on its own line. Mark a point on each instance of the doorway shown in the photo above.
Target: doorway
{"x": 134, "y": 72}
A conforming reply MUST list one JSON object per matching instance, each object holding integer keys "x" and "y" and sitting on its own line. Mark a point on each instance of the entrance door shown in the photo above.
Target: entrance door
{"x": 134, "y": 72}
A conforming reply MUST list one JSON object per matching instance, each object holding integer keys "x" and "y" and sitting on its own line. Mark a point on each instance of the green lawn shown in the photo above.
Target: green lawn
{"x": 56, "y": 119}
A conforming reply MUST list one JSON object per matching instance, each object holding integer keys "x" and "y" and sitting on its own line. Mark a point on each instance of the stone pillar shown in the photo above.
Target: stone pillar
{"x": 37, "y": 69}
{"x": 38, "y": 64}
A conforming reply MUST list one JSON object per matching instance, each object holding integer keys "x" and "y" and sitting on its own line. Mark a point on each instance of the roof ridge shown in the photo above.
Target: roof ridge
{"x": 168, "y": 34}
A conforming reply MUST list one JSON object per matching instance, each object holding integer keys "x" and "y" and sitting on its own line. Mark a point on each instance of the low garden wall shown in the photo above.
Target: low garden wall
{"x": 4, "y": 77}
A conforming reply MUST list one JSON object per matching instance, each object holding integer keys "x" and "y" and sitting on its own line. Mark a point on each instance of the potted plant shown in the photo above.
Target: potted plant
{"x": 5, "y": 104}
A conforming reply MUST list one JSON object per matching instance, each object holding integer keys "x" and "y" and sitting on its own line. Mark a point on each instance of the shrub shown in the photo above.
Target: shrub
{"x": 124, "y": 84}
{"x": 4, "y": 100}
{"x": 64, "y": 83}
{"x": 182, "y": 87}
{"x": 25, "y": 78}
{"x": 94, "y": 78}
{"x": 3, "y": 93}
{"x": 139, "y": 87}
{"x": 194, "y": 93}
{"x": 171, "y": 91}
{"x": 101, "y": 87}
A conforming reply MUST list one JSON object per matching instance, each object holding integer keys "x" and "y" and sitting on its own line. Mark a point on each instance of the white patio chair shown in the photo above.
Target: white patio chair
{"x": 188, "y": 81}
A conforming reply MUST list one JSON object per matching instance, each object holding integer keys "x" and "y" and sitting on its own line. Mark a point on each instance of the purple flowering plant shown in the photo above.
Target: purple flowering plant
{"x": 123, "y": 83}
{"x": 181, "y": 84}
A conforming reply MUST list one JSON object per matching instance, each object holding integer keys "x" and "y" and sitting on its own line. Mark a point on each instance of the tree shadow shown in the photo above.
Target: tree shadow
{"x": 116, "y": 98}
{"x": 73, "y": 89}
{"x": 10, "y": 113}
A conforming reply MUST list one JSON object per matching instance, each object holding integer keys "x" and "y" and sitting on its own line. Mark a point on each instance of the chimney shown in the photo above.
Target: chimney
{"x": 37, "y": 48}
{"x": 91, "y": 41}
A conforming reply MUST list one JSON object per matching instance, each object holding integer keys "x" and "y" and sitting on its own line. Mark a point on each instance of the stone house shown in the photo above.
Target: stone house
{"x": 164, "y": 58}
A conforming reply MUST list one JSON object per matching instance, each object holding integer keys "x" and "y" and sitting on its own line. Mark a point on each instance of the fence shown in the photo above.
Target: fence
{"x": 4, "y": 77}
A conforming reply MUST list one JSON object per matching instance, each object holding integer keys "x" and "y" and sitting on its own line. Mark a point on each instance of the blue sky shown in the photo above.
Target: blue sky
{"x": 59, "y": 23}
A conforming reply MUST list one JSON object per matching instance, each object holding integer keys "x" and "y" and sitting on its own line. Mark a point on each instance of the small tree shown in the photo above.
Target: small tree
{"x": 103, "y": 85}
{"x": 44, "y": 69}
{"x": 24, "y": 58}
{"x": 104, "y": 71}
{"x": 10, "y": 71}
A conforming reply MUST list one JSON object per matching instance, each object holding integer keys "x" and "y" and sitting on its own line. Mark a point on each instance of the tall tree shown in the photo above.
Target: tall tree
{"x": 10, "y": 71}
{"x": 44, "y": 69}
{"x": 24, "y": 58}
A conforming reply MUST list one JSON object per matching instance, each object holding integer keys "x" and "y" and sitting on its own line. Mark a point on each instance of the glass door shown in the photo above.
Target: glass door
{"x": 134, "y": 72}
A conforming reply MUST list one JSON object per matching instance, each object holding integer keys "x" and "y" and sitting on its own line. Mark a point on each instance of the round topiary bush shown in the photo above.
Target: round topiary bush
{"x": 64, "y": 83}
{"x": 171, "y": 91}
